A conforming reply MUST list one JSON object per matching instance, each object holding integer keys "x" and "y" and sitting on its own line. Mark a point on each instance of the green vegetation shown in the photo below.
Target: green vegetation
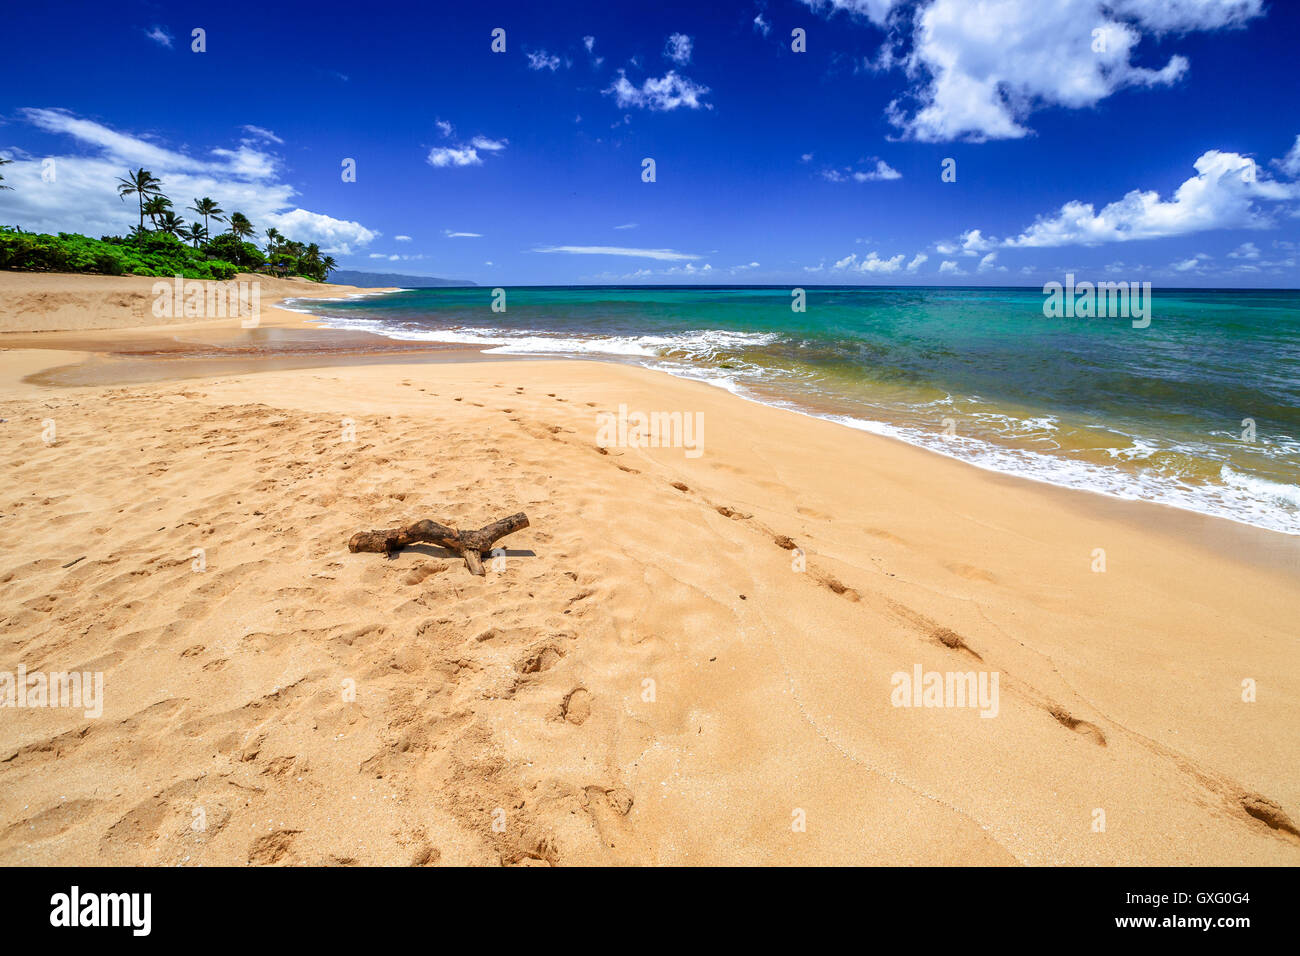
{"x": 161, "y": 249}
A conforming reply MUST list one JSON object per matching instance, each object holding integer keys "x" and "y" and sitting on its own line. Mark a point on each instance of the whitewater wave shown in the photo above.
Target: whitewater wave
{"x": 1241, "y": 498}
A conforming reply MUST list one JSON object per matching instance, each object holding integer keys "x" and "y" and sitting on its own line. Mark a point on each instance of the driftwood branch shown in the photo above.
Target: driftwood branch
{"x": 470, "y": 545}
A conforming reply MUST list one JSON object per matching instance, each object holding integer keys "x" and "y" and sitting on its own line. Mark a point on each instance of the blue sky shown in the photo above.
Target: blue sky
{"x": 1149, "y": 140}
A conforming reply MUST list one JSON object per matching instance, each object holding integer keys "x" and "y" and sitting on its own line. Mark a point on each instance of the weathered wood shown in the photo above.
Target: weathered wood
{"x": 470, "y": 545}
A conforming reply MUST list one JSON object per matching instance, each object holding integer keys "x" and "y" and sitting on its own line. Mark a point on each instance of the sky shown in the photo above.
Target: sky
{"x": 1139, "y": 140}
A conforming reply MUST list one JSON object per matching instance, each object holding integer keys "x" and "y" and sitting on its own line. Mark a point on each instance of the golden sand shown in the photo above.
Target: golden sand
{"x": 650, "y": 675}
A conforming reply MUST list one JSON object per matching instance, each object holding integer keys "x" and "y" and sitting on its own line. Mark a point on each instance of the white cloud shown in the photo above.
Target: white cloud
{"x": 1222, "y": 195}
{"x": 1247, "y": 250}
{"x": 402, "y": 238}
{"x": 989, "y": 263}
{"x": 259, "y": 133}
{"x": 394, "y": 257}
{"x": 883, "y": 171}
{"x": 83, "y": 196}
{"x": 664, "y": 254}
{"x": 444, "y": 127}
{"x": 678, "y": 49}
{"x": 1171, "y": 16}
{"x": 160, "y": 35}
{"x": 333, "y": 235}
{"x": 949, "y": 267}
{"x": 589, "y": 43}
{"x": 466, "y": 154}
{"x": 1290, "y": 163}
{"x": 872, "y": 263}
{"x": 541, "y": 60}
{"x": 916, "y": 263}
{"x": 627, "y": 225}
{"x": 980, "y": 69}
{"x": 1192, "y": 264}
{"x": 462, "y": 235}
{"x": 972, "y": 242}
{"x": 762, "y": 26}
{"x": 442, "y": 156}
{"x": 877, "y": 11}
{"x": 661, "y": 94}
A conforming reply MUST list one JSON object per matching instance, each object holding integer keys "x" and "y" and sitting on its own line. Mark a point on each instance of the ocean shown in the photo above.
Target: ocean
{"x": 1199, "y": 410}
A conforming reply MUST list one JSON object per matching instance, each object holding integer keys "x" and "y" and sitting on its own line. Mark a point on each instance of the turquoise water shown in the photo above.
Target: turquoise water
{"x": 1157, "y": 413}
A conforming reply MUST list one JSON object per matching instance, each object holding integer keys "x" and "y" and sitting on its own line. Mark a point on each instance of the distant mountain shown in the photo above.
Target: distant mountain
{"x": 379, "y": 280}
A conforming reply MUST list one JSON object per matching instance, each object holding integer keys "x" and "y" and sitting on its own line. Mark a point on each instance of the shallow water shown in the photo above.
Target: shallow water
{"x": 1200, "y": 410}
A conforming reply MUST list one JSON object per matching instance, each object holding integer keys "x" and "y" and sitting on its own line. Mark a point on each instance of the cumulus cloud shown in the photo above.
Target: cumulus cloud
{"x": 83, "y": 197}
{"x": 882, "y": 171}
{"x": 659, "y": 94}
{"x": 663, "y": 254}
{"x": 916, "y": 263}
{"x": 541, "y": 60}
{"x": 678, "y": 49}
{"x": 762, "y": 26}
{"x": 972, "y": 242}
{"x": 466, "y": 154}
{"x": 872, "y": 263}
{"x": 979, "y": 69}
{"x": 333, "y": 235}
{"x": 1226, "y": 193}
{"x": 1191, "y": 265}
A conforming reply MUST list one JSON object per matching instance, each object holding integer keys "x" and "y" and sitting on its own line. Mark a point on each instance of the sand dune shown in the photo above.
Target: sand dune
{"x": 653, "y": 676}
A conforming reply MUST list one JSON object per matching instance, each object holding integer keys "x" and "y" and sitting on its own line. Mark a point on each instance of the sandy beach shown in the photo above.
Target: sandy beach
{"x": 684, "y": 659}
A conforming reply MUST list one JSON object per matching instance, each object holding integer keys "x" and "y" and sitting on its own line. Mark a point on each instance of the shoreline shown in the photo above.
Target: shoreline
{"x": 291, "y": 338}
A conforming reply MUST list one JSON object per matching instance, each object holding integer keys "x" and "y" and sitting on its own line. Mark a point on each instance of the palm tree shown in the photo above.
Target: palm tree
{"x": 327, "y": 266}
{"x": 272, "y": 237}
{"x": 170, "y": 223}
{"x": 142, "y": 184}
{"x": 206, "y": 207}
{"x": 155, "y": 206}
{"x": 5, "y": 162}
{"x": 195, "y": 234}
{"x": 240, "y": 227}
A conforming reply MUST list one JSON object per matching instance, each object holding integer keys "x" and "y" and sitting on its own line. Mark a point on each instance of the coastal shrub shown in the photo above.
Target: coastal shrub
{"x": 148, "y": 254}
